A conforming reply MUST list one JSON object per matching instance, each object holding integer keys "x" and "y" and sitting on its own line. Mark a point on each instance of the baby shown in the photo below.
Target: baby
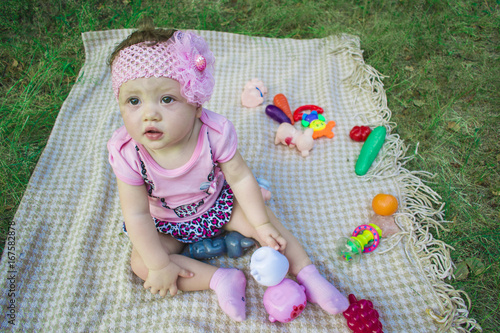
{"x": 181, "y": 178}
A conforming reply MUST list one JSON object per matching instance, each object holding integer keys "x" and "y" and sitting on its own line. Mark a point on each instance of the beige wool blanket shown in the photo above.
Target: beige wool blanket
{"x": 66, "y": 268}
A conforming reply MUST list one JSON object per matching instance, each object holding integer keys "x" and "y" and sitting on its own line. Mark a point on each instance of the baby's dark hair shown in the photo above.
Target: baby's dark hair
{"x": 146, "y": 33}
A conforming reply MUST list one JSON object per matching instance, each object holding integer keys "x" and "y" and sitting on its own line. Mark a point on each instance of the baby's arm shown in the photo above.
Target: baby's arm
{"x": 249, "y": 196}
{"x": 162, "y": 273}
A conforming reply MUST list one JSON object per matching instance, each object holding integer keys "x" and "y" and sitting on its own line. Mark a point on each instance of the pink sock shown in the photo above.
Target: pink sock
{"x": 322, "y": 292}
{"x": 230, "y": 284}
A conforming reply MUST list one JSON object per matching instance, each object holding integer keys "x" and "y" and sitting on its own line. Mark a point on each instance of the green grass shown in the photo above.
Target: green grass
{"x": 442, "y": 59}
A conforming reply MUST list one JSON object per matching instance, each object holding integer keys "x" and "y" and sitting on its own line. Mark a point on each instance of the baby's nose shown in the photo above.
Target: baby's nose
{"x": 150, "y": 113}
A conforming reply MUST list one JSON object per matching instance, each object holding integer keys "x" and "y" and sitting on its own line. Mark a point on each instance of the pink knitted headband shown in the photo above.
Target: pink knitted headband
{"x": 185, "y": 57}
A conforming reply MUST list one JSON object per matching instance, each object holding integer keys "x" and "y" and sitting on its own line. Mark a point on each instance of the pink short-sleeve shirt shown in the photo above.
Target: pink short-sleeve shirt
{"x": 181, "y": 194}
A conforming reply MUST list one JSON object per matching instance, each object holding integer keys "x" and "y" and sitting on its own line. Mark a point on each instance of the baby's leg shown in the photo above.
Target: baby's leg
{"x": 228, "y": 284}
{"x": 294, "y": 251}
{"x": 318, "y": 289}
{"x": 200, "y": 281}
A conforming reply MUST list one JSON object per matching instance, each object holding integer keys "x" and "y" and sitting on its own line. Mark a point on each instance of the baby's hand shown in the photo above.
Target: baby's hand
{"x": 271, "y": 237}
{"x": 165, "y": 279}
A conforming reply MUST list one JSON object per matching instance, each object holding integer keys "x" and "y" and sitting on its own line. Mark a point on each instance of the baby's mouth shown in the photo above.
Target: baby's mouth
{"x": 153, "y": 133}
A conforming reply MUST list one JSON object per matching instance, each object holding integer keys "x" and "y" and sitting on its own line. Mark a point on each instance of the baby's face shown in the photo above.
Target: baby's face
{"x": 156, "y": 114}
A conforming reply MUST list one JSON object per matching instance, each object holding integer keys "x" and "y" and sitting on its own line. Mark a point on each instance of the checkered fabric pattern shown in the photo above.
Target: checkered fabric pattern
{"x": 70, "y": 265}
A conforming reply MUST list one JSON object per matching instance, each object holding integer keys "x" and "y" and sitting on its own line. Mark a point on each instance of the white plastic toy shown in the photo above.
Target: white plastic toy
{"x": 268, "y": 267}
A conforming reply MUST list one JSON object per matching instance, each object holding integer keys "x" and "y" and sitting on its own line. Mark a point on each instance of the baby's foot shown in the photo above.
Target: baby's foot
{"x": 230, "y": 284}
{"x": 322, "y": 292}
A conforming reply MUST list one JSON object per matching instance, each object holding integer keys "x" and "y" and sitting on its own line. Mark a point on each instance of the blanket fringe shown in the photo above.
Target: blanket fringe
{"x": 418, "y": 216}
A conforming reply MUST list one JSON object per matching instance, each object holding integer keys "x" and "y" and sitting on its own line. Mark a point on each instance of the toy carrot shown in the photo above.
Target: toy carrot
{"x": 281, "y": 102}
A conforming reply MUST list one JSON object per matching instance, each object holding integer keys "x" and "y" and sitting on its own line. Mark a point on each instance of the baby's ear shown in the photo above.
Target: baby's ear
{"x": 199, "y": 111}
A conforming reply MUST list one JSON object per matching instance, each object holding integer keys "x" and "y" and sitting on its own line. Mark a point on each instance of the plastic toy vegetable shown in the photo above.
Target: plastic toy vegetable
{"x": 362, "y": 317}
{"x": 281, "y": 102}
{"x": 384, "y": 204}
{"x": 370, "y": 150}
{"x": 360, "y": 133}
{"x": 285, "y": 299}
{"x": 277, "y": 114}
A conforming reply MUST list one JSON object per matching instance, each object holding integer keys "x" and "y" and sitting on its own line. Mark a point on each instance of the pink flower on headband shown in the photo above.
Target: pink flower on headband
{"x": 185, "y": 57}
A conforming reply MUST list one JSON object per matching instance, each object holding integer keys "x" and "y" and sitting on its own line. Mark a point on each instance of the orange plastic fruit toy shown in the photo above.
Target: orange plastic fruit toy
{"x": 384, "y": 204}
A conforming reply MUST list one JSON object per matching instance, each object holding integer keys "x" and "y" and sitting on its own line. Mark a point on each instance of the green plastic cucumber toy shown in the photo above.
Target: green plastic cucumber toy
{"x": 370, "y": 150}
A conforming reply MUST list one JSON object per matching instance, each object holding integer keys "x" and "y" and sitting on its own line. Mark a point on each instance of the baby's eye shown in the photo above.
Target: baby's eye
{"x": 133, "y": 101}
{"x": 167, "y": 99}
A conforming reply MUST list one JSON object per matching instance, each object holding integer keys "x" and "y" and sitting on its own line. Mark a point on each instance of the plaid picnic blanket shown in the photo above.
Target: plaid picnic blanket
{"x": 66, "y": 263}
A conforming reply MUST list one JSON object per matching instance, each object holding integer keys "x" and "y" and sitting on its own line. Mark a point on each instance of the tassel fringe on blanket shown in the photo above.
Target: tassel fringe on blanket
{"x": 418, "y": 213}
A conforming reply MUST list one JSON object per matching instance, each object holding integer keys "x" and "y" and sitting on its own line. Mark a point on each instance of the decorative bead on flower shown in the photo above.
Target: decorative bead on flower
{"x": 200, "y": 63}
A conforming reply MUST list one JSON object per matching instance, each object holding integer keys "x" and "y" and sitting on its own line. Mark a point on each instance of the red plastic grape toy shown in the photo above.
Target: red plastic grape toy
{"x": 360, "y": 133}
{"x": 362, "y": 317}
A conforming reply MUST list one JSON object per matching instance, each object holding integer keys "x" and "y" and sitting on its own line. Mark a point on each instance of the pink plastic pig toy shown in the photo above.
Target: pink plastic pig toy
{"x": 285, "y": 301}
{"x": 287, "y": 135}
{"x": 305, "y": 142}
{"x": 292, "y": 137}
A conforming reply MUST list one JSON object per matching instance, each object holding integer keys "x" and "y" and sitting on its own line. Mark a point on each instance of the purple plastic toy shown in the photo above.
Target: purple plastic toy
{"x": 285, "y": 299}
